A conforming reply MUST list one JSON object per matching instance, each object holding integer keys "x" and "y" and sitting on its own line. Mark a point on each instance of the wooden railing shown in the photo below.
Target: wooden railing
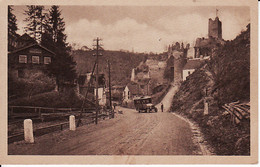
{"x": 40, "y": 113}
{"x": 56, "y": 127}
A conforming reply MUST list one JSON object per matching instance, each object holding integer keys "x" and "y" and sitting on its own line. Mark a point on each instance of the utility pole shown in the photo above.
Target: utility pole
{"x": 97, "y": 54}
{"x": 109, "y": 85}
{"x": 86, "y": 95}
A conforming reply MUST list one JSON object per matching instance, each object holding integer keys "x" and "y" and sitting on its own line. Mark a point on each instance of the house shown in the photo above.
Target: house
{"x": 102, "y": 99}
{"x": 16, "y": 41}
{"x": 29, "y": 59}
{"x": 131, "y": 90}
{"x": 190, "y": 67}
{"x": 84, "y": 79}
{"x": 84, "y": 86}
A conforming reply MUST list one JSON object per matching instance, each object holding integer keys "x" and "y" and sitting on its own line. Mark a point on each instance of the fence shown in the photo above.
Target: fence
{"x": 37, "y": 113}
{"x": 41, "y": 113}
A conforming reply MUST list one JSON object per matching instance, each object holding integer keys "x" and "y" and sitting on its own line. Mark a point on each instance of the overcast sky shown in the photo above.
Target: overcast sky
{"x": 144, "y": 29}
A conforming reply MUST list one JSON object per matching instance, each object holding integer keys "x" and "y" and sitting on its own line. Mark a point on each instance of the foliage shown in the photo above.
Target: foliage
{"x": 54, "y": 38}
{"x": 229, "y": 81}
{"x": 12, "y": 25}
{"x": 122, "y": 64}
{"x": 230, "y": 68}
{"x": 26, "y": 87}
{"x": 35, "y": 21}
{"x": 51, "y": 99}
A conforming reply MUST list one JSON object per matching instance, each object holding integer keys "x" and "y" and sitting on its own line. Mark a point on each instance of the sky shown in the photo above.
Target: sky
{"x": 144, "y": 28}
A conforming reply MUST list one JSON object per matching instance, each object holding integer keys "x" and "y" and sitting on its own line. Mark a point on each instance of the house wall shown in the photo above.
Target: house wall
{"x": 178, "y": 67}
{"x": 126, "y": 94}
{"x": 186, "y": 73}
{"x": 101, "y": 96}
{"x": 17, "y": 68}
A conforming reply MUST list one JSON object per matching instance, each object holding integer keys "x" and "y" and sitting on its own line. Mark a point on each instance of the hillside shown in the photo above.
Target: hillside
{"x": 226, "y": 79}
{"x": 122, "y": 64}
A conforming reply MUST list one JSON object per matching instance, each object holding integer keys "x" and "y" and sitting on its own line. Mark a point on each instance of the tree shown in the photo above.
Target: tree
{"x": 54, "y": 38}
{"x": 35, "y": 18}
{"x": 12, "y": 26}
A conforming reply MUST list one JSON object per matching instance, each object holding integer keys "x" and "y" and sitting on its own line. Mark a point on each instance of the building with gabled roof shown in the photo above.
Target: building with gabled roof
{"x": 131, "y": 90}
{"x": 31, "y": 58}
{"x": 191, "y": 66}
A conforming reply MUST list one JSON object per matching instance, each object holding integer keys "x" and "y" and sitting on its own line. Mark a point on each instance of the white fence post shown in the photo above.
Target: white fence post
{"x": 28, "y": 131}
{"x": 72, "y": 123}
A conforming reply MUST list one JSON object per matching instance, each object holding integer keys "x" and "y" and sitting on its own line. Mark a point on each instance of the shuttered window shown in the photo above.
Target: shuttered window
{"x": 22, "y": 58}
{"x": 35, "y": 59}
{"x": 47, "y": 60}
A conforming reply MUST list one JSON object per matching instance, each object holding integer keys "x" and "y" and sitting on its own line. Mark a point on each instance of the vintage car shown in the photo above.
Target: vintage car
{"x": 144, "y": 104}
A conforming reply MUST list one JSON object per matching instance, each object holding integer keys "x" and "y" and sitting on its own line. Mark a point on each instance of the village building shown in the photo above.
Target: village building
{"x": 83, "y": 85}
{"x": 190, "y": 67}
{"x": 29, "y": 59}
{"x": 131, "y": 90}
{"x": 102, "y": 97}
{"x": 16, "y": 41}
{"x": 180, "y": 62}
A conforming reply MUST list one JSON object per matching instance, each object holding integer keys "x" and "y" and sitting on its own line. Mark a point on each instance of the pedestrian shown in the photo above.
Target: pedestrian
{"x": 114, "y": 104}
{"x": 162, "y": 107}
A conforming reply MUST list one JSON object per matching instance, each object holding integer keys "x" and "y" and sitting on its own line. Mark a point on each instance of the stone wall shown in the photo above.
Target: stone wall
{"x": 215, "y": 28}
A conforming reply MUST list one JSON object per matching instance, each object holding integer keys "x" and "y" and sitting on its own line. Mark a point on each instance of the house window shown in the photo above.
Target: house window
{"x": 35, "y": 59}
{"x": 188, "y": 72}
{"x": 128, "y": 95}
{"x": 22, "y": 59}
{"x": 47, "y": 60}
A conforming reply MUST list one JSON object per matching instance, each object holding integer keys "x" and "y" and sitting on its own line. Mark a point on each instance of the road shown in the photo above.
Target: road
{"x": 130, "y": 133}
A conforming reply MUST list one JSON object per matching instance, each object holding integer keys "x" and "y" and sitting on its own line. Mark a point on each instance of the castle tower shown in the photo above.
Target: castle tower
{"x": 215, "y": 28}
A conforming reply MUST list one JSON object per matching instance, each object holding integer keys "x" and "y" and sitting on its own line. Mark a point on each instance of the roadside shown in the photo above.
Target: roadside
{"x": 130, "y": 133}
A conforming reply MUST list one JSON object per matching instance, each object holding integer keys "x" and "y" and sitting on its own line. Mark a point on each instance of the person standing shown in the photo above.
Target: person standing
{"x": 114, "y": 104}
{"x": 162, "y": 107}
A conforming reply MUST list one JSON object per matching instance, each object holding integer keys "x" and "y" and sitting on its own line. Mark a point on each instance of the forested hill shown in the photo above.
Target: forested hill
{"x": 122, "y": 64}
{"x": 226, "y": 77}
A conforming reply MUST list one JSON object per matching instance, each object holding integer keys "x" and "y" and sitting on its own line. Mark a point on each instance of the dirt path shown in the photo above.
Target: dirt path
{"x": 130, "y": 133}
{"x": 167, "y": 100}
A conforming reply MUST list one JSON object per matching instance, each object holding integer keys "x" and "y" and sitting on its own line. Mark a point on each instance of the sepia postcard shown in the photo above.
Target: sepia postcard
{"x": 129, "y": 82}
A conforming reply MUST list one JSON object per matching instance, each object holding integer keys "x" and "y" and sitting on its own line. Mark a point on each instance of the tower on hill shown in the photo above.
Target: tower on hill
{"x": 215, "y": 28}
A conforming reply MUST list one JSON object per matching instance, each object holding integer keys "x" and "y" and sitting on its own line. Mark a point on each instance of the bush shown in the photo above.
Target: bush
{"x": 52, "y": 100}
{"x": 31, "y": 85}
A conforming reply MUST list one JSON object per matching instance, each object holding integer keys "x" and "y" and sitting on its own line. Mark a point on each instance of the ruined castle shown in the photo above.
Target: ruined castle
{"x": 205, "y": 46}
{"x": 203, "y": 49}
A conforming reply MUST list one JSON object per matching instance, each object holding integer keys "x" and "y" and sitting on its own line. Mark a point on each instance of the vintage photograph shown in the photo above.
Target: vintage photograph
{"x": 128, "y": 80}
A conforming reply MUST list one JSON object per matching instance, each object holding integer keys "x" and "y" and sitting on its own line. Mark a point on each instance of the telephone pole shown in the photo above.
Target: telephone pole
{"x": 97, "y": 45}
{"x": 109, "y": 85}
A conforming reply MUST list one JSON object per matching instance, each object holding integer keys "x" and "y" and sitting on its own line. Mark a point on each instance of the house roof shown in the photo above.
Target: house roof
{"x": 29, "y": 46}
{"x": 193, "y": 64}
{"x": 133, "y": 87}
